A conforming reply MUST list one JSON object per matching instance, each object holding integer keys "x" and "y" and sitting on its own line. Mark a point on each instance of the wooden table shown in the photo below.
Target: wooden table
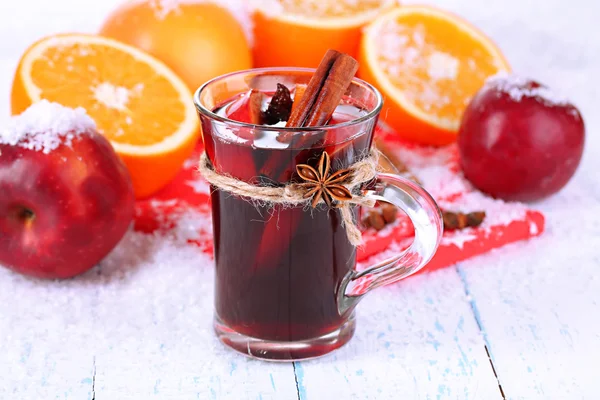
{"x": 522, "y": 322}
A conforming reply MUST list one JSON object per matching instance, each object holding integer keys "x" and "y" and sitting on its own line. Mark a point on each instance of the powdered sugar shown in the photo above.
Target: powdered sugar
{"x": 518, "y": 87}
{"x": 238, "y": 8}
{"x": 45, "y": 126}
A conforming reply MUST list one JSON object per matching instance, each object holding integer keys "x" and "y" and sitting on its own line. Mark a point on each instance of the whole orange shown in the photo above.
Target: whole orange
{"x": 199, "y": 40}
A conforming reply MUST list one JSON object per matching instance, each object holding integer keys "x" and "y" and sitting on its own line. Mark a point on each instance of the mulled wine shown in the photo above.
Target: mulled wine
{"x": 278, "y": 269}
{"x": 285, "y": 284}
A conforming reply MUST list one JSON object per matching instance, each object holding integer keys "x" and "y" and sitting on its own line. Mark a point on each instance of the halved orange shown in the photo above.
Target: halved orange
{"x": 138, "y": 103}
{"x": 297, "y": 33}
{"x": 428, "y": 64}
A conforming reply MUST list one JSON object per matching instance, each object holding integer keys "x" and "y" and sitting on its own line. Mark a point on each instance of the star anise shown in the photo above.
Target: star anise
{"x": 321, "y": 184}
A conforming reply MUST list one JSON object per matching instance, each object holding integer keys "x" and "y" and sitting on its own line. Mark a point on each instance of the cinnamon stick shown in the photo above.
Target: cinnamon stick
{"x": 325, "y": 90}
{"x": 322, "y": 95}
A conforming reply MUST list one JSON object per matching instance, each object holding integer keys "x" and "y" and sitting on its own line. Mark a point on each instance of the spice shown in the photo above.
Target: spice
{"x": 322, "y": 184}
{"x": 378, "y": 218}
{"x": 389, "y": 213}
{"x": 280, "y": 106}
{"x": 375, "y": 220}
{"x": 325, "y": 90}
{"x": 458, "y": 220}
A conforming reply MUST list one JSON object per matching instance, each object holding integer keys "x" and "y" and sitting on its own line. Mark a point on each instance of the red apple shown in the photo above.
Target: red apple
{"x": 66, "y": 198}
{"x": 518, "y": 141}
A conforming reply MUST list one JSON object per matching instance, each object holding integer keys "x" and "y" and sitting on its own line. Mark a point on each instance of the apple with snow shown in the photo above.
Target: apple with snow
{"x": 66, "y": 198}
{"x": 519, "y": 141}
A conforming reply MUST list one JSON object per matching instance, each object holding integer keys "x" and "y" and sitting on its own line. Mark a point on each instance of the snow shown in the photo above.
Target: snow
{"x": 440, "y": 181}
{"x": 519, "y": 87}
{"x": 112, "y": 96}
{"x": 182, "y": 223}
{"x": 199, "y": 186}
{"x": 405, "y": 54}
{"x": 44, "y": 126}
{"x": 442, "y": 66}
{"x": 438, "y": 171}
{"x": 458, "y": 238}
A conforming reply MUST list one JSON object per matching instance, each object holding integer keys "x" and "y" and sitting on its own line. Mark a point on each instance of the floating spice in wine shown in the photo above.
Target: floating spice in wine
{"x": 280, "y": 106}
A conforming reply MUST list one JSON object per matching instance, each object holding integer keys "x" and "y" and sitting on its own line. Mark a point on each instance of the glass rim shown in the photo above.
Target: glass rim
{"x": 209, "y": 113}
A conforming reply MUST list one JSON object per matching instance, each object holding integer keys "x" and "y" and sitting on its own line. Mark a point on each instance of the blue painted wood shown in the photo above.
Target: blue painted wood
{"x": 160, "y": 342}
{"x": 541, "y": 315}
{"x": 416, "y": 339}
{"x": 44, "y": 349}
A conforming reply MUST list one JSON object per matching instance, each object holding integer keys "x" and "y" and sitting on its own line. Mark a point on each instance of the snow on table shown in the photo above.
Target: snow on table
{"x": 139, "y": 325}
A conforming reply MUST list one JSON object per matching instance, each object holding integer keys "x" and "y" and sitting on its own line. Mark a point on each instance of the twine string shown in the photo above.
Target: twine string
{"x": 292, "y": 194}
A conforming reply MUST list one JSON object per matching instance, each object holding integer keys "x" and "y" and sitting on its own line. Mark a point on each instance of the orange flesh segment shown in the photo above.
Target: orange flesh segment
{"x": 116, "y": 108}
{"x": 436, "y": 65}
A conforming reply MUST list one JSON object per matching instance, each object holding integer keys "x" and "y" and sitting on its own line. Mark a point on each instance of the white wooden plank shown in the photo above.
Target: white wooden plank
{"x": 539, "y": 304}
{"x": 45, "y": 351}
{"x": 415, "y": 340}
{"x": 154, "y": 331}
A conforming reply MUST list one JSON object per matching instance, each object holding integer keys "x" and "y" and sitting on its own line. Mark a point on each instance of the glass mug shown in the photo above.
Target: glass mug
{"x": 286, "y": 285}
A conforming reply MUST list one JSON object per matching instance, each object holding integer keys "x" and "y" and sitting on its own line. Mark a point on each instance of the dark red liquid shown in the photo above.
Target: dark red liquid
{"x": 278, "y": 270}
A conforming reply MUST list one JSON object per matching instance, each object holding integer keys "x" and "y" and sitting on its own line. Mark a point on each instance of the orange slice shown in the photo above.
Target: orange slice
{"x": 297, "y": 33}
{"x": 138, "y": 103}
{"x": 428, "y": 64}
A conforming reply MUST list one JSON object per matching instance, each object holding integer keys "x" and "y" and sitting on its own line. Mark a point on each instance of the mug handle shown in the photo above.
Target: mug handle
{"x": 426, "y": 217}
